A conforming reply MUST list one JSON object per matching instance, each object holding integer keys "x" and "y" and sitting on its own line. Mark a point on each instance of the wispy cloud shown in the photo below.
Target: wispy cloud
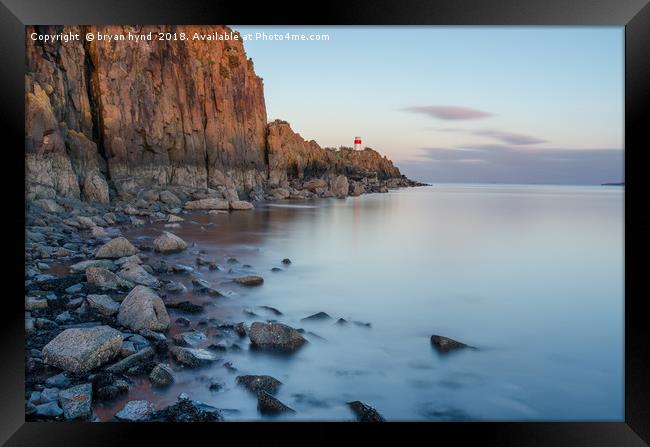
{"x": 510, "y": 137}
{"x": 516, "y": 164}
{"x": 449, "y": 112}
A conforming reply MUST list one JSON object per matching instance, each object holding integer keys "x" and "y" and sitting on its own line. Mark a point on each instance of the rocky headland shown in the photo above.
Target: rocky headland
{"x": 122, "y": 135}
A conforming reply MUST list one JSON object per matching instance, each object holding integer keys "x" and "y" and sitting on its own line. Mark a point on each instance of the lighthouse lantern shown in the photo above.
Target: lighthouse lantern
{"x": 357, "y": 143}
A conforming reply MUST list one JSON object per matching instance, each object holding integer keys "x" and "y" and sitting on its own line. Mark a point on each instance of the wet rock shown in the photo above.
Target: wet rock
{"x": 232, "y": 261}
{"x": 170, "y": 199}
{"x": 189, "y": 338}
{"x": 138, "y": 275}
{"x": 127, "y": 349}
{"x": 182, "y": 268}
{"x": 60, "y": 380}
{"x": 362, "y": 324}
{"x": 267, "y": 404}
{"x": 80, "y": 350}
{"x": 182, "y": 321}
{"x": 103, "y": 304}
{"x": 169, "y": 243}
{"x": 131, "y": 361}
{"x": 259, "y": 383}
{"x": 200, "y": 284}
{"x": 98, "y": 232}
{"x": 161, "y": 375}
{"x": 320, "y": 316}
{"x": 157, "y": 340}
{"x": 187, "y": 307}
{"x": 251, "y": 280}
{"x": 134, "y": 259}
{"x": 174, "y": 287}
{"x": 81, "y": 267}
{"x": 342, "y": 321}
{"x": 275, "y": 336}
{"x": 48, "y": 410}
{"x": 32, "y": 303}
{"x": 365, "y": 413}
{"x": 240, "y": 329}
{"x": 444, "y": 344}
{"x": 192, "y": 357}
{"x": 60, "y": 284}
{"x": 241, "y": 205}
{"x": 106, "y": 279}
{"x": 141, "y": 309}
{"x": 116, "y": 248}
{"x": 207, "y": 204}
{"x": 286, "y": 261}
{"x": 186, "y": 410}
{"x": 135, "y": 411}
{"x": 276, "y": 269}
{"x": 273, "y": 310}
{"x": 76, "y": 401}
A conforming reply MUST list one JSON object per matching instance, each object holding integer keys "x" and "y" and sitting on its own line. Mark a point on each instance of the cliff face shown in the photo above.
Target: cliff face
{"x": 107, "y": 117}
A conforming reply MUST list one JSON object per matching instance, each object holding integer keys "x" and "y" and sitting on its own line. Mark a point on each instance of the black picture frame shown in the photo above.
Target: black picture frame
{"x": 634, "y": 15}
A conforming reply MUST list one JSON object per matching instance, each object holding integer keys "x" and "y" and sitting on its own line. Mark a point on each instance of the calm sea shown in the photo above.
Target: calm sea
{"x": 530, "y": 275}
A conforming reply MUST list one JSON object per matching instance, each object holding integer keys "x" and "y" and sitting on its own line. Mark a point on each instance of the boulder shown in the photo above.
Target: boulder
{"x": 207, "y": 204}
{"x": 106, "y": 279}
{"x": 320, "y": 316}
{"x": 186, "y": 410}
{"x": 135, "y": 273}
{"x": 444, "y": 344}
{"x": 76, "y": 401}
{"x": 365, "y": 413}
{"x": 141, "y": 309}
{"x": 103, "y": 304}
{"x": 135, "y": 411}
{"x": 339, "y": 186}
{"x": 169, "y": 243}
{"x": 161, "y": 375}
{"x": 170, "y": 199}
{"x": 131, "y": 361}
{"x": 275, "y": 336}
{"x": 268, "y": 404}
{"x": 259, "y": 383}
{"x": 241, "y": 205}
{"x": 189, "y": 338}
{"x": 80, "y": 350}
{"x": 116, "y": 248}
{"x": 280, "y": 193}
{"x": 315, "y": 185}
{"x": 192, "y": 357}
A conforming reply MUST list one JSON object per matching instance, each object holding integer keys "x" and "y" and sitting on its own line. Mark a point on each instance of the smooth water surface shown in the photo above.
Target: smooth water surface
{"x": 532, "y": 276}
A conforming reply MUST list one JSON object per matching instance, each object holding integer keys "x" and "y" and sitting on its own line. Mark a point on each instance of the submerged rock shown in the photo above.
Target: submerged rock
{"x": 116, "y": 248}
{"x": 444, "y": 344}
{"x": 250, "y": 280}
{"x": 169, "y": 243}
{"x": 268, "y": 404}
{"x": 141, "y": 309}
{"x": 80, "y": 350}
{"x": 365, "y": 413}
{"x": 320, "y": 316}
{"x": 275, "y": 336}
{"x": 259, "y": 383}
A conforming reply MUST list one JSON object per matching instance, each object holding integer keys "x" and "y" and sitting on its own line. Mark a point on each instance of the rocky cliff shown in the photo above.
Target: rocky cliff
{"x": 106, "y": 118}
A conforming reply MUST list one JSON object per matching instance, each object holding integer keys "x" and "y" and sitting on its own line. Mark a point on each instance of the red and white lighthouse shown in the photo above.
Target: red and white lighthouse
{"x": 357, "y": 143}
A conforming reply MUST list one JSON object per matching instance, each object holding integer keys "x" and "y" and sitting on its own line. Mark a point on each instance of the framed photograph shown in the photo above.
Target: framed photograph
{"x": 426, "y": 214}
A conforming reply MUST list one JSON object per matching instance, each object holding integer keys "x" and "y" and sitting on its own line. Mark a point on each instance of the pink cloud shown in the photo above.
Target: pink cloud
{"x": 449, "y": 112}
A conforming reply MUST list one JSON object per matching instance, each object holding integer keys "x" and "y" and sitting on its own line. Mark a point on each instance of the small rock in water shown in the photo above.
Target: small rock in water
{"x": 182, "y": 321}
{"x": 320, "y": 316}
{"x": 250, "y": 280}
{"x": 161, "y": 375}
{"x": 341, "y": 321}
{"x": 444, "y": 344}
{"x": 273, "y": 310}
{"x": 186, "y": 410}
{"x": 276, "y": 269}
{"x": 169, "y": 243}
{"x": 232, "y": 261}
{"x": 142, "y": 308}
{"x": 286, "y": 261}
{"x": 189, "y": 338}
{"x": 135, "y": 411}
{"x": 275, "y": 336}
{"x": 365, "y": 413}
{"x": 116, "y": 248}
{"x": 182, "y": 268}
{"x": 268, "y": 404}
{"x": 259, "y": 383}
{"x": 174, "y": 287}
{"x": 186, "y": 306}
{"x": 106, "y": 279}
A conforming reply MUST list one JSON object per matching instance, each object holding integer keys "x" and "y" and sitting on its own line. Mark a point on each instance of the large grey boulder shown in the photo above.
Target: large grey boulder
{"x": 80, "y": 350}
{"x": 143, "y": 309}
{"x": 275, "y": 336}
{"x": 169, "y": 243}
{"x": 207, "y": 204}
{"x": 116, "y": 248}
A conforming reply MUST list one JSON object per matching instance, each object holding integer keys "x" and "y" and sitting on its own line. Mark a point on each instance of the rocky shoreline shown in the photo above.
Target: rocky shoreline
{"x": 97, "y": 304}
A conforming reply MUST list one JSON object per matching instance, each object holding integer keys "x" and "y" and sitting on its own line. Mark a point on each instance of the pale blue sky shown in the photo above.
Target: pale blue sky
{"x": 540, "y": 93}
